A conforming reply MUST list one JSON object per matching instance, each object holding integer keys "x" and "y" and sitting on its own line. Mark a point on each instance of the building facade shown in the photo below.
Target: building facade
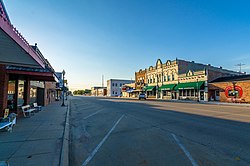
{"x": 230, "y": 89}
{"x": 98, "y": 91}
{"x": 182, "y": 80}
{"x": 114, "y": 87}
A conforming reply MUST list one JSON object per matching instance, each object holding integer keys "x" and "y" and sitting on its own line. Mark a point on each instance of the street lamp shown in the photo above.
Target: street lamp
{"x": 63, "y": 72}
{"x": 197, "y": 90}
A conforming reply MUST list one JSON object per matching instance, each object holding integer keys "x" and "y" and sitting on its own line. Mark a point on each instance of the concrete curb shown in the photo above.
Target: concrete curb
{"x": 64, "y": 156}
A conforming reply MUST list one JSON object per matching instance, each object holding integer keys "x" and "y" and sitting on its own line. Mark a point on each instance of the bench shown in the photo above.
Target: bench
{"x": 37, "y": 107}
{"x": 8, "y": 122}
{"x": 27, "y": 110}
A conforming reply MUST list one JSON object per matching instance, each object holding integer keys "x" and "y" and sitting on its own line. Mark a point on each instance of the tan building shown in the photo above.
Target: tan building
{"x": 183, "y": 80}
{"x": 98, "y": 91}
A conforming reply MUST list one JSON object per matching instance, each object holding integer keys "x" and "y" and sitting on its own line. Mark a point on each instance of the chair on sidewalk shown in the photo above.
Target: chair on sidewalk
{"x": 8, "y": 121}
{"x": 37, "y": 107}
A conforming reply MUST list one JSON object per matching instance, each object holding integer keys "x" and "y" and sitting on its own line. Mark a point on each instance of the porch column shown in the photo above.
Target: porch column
{"x": 206, "y": 92}
{"x": 4, "y": 78}
{"x": 27, "y": 91}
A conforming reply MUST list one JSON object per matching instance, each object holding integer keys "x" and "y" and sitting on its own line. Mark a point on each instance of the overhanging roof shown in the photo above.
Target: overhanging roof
{"x": 32, "y": 73}
{"x": 14, "y": 49}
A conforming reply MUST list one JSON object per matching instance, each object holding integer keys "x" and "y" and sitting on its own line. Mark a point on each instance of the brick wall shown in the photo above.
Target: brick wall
{"x": 50, "y": 92}
{"x": 245, "y": 85}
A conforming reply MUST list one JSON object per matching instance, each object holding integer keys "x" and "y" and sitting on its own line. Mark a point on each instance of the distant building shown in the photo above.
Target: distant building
{"x": 114, "y": 86}
{"x": 128, "y": 90}
{"x": 180, "y": 80}
{"x": 98, "y": 91}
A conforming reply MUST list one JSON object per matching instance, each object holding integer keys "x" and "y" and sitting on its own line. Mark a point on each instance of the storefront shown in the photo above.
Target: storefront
{"x": 191, "y": 90}
{"x": 168, "y": 92}
{"x": 151, "y": 91}
{"x": 230, "y": 89}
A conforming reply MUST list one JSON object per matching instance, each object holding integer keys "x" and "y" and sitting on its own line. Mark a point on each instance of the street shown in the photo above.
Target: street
{"x": 116, "y": 131}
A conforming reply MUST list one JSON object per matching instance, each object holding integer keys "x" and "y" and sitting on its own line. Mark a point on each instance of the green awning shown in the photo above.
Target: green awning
{"x": 149, "y": 88}
{"x": 167, "y": 87}
{"x": 189, "y": 85}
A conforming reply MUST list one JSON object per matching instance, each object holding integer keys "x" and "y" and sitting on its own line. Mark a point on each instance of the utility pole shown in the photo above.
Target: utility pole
{"x": 240, "y": 64}
{"x": 102, "y": 80}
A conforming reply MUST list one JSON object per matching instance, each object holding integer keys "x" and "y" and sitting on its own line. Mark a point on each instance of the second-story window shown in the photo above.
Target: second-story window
{"x": 168, "y": 78}
{"x": 113, "y": 84}
{"x": 172, "y": 77}
{"x": 164, "y": 78}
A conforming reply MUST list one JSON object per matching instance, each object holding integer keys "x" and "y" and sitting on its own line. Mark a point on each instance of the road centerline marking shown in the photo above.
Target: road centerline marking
{"x": 101, "y": 143}
{"x": 92, "y": 114}
{"x": 194, "y": 163}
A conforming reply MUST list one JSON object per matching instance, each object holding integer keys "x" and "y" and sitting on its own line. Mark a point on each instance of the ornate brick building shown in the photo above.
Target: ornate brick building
{"x": 183, "y": 80}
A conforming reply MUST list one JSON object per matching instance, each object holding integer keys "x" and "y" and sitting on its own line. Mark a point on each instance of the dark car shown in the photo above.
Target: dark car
{"x": 142, "y": 96}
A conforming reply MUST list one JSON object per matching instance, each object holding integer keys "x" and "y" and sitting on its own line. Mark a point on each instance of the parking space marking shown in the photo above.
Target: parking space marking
{"x": 92, "y": 114}
{"x": 194, "y": 163}
{"x": 101, "y": 143}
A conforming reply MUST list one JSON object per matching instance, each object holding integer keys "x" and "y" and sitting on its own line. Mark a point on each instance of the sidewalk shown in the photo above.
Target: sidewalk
{"x": 36, "y": 140}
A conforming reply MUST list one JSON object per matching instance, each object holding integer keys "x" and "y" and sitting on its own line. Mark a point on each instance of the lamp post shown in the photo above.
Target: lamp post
{"x": 197, "y": 90}
{"x": 63, "y": 72}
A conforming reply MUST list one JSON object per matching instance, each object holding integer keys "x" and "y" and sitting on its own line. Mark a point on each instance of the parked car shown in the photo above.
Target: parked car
{"x": 142, "y": 96}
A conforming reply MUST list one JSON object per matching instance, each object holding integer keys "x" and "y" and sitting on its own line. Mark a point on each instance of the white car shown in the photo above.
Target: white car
{"x": 142, "y": 96}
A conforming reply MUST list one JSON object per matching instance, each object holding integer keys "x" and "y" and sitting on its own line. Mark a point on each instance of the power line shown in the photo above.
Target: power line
{"x": 240, "y": 64}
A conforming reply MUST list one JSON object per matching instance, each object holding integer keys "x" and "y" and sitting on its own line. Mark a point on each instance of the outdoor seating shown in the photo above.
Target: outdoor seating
{"x": 7, "y": 123}
{"x": 37, "y": 107}
{"x": 27, "y": 110}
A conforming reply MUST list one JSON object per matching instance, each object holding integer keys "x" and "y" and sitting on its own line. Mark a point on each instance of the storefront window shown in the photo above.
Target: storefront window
{"x": 20, "y": 97}
{"x": 11, "y": 95}
{"x": 33, "y": 94}
{"x": 184, "y": 92}
{"x": 180, "y": 92}
{"x": 188, "y": 92}
{"x": 192, "y": 92}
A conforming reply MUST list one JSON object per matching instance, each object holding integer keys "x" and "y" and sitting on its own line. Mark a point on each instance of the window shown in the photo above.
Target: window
{"x": 188, "y": 92}
{"x": 164, "y": 78}
{"x": 113, "y": 92}
{"x": 120, "y": 84}
{"x": 172, "y": 77}
{"x": 168, "y": 77}
{"x": 113, "y": 84}
{"x": 192, "y": 92}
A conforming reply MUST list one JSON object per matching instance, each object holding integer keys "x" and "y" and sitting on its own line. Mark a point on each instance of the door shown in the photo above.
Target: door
{"x": 217, "y": 95}
{"x": 201, "y": 95}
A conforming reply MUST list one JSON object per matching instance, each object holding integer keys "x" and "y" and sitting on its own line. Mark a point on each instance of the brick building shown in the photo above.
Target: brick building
{"x": 183, "y": 80}
{"x": 230, "y": 89}
{"x": 24, "y": 72}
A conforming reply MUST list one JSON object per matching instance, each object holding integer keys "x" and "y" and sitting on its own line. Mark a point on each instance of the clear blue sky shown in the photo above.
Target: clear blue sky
{"x": 115, "y": 38}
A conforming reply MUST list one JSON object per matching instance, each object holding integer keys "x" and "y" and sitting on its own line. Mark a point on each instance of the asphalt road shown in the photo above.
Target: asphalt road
{"x": 114, "y": 132}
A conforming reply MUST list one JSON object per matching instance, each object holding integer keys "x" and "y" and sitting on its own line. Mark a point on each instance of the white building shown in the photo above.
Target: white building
{"x": 114, "y": 86}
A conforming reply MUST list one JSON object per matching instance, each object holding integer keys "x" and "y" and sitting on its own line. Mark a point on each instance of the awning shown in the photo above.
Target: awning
{"x": 189, "y": 85}
{"x": 130, "y": 90}
{"x": 149, "y": 88}
{"x": 167, "y": 87}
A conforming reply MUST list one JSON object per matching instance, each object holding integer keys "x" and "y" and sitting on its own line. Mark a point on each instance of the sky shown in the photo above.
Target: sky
{"x": 116, "y": 38}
